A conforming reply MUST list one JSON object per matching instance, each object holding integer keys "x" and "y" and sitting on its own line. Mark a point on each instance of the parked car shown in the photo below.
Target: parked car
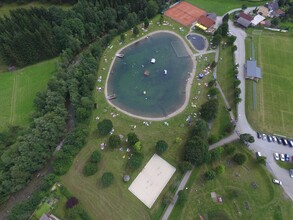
{"x": 275, "y": 181}
{"x": 291, "y": 173}
{"x": 258, "y": 154}
{"x": 264, "y": 137}
{"x": 282, "y": 157}
{"x": 287, "y": 157}
{"x": 274, "y": 138}
{"x": 279, "y": 140}
{"x": 258, "y": 135}
{"x": 290, "y": 143}
{"x": 276, "y": 156}
{"x": 270, "y": 139}
{"x": 284, "y": 141}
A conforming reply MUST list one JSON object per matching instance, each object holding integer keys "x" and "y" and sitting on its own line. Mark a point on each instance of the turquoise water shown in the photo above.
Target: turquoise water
{"x": 157, "y": 94}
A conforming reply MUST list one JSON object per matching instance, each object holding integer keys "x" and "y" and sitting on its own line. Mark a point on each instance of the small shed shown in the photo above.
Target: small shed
{"x": 252, "y": 71}
{"x": 257, "y": 19}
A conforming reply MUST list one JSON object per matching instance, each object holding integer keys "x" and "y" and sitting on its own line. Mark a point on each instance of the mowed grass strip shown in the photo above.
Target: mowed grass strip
{"x": 226, "y": 76}
{"x": 274, "y": 106}
{"x": 220, "y": 7}
{"x": 18, "y": 90}
{"x": 240, "y": 199}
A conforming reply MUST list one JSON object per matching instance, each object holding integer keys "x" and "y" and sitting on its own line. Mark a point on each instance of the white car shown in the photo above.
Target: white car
{"x": 275, "y": 181}
{"x": 274, "y": 139}
{"x": 282, "y": 156}
{"x": 276, "y": 156}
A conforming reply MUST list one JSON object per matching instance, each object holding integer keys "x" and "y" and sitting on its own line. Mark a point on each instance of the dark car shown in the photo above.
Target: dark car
{"x": 287, "y": 157}
{"x": 291, "y": 173}
{"x": 290, "y": 142}
{"x": 284, "y": 141}
{"x": 279, "y": 140}
{"x": 270, "y": 139}
{"x": 258, "y": 135}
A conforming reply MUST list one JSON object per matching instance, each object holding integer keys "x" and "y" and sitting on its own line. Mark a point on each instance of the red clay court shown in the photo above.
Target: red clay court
{"x": 185, "y": 13}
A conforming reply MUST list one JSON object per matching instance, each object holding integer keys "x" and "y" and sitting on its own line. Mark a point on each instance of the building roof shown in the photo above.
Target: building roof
{"x": 257, "y": 19}
{"x": 252, "y": 71}
{"x": 212, "y": 16}
{"x": 264, "y": 11}
{"x": 279, "y": 12}
{"x": 274, "y": 5}
{"x": 205, "y": 21}
{"x": 245, "y": 16}
{"x": 243, "y": 22}
{"x": 48, "y": 217}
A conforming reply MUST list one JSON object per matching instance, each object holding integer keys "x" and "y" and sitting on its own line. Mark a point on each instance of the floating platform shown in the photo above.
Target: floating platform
{"x": 120, "y": 55}
{"x": 110, "y": 97}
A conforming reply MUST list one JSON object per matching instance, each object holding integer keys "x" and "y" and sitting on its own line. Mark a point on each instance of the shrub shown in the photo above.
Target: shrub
{"x": 107, "y": 179}
{"x": 105, "y": 127}
{"x": 114, "y": 141}
{"x": 71, "y": 202}
{"x": 161, "y": 147}
{"x": 90, "y": 169}
{"x": 220, "y": 169}
{"x": 229, "y": 150}
{"x": 262, "y": 160}
{"x": 96, "y": 157}
{"x": 132, "y": 139}
{"x": 239, "y": 158}
{"x": 210, "y": 175}
{"x": 184, "y": 166}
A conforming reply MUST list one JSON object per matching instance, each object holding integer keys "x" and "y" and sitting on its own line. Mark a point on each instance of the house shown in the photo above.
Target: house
{"x": 205, "y": 21}
{"x": 252, "y": 71}
{"x": 273, "y": 6}
{"x": 257, "y": 19}
{"x": 212, "y": 16}
{"x": 48, "y": 217}
{"x": 264, "y": 11}
{"x": 278, "y": 13}
{"x": 244, "y": 19}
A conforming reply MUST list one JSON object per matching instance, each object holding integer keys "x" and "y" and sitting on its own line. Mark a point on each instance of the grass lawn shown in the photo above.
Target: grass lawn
{"x": 116, "y": 202}
{"x": 18, "y": 90}
{"x": 240, "y": 199}
{"x": 43, "y": 209}
{"x": 226, "y": 76}
{"x": 220, "y": 7}
{"x": 4, "y": 10}
{"x": 274, "y": 106}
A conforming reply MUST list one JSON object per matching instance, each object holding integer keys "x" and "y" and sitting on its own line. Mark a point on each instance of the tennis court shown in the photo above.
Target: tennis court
{"x": 185, "y": 13}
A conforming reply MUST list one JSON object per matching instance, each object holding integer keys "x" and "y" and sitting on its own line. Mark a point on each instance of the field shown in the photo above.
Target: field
{"x": 225, "y": 74}
{"x": 18, "y": 89}
{"x": 221, "y": 7}
{"x": 274, "y": 106}
{"x": 116, "y": 201}
{"x": 247, "y": 192}
{"x": 4, "y": 10}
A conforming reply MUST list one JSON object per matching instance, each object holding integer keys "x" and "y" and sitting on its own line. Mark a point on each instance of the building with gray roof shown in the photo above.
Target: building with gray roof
{"x": 252, "y": 71}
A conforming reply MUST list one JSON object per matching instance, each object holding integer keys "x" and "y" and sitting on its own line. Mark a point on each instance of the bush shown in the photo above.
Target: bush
{"x": 216, "y": 153}
{"x": 210, "y": 175}
{"x": 135, "y": 161}
{"x": 71, "y": 202}
{"x": 107, "y": 179}
{"x": 96, "y": 157}
{"x": 184, "y": 166}
{"x": 105, "y": 127}
{"x": 132, "y": 139}
{"x": 114, "y": 141}
{"x": 161, "y": 147}
{"x": 90, "y": 169}
{"x": 229, "y": 150}
{"x": 261, "y": 160}
{"x": 239, "y": 158}
{"x": 220, "y": 169}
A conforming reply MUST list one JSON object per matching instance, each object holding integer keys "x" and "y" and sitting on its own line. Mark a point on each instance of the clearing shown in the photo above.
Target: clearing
{"x": 18, "y": 90}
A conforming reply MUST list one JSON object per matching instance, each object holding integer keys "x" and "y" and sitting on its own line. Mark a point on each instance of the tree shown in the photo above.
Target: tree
{"x": 132, "y": 139}
{"x": 229, "y": 149}
{"x": 220, "y": 169}
{"x": 90, "y": 169}
{"x": 237, "y": 92}
{"x": 247, "y": 138}
{"x": 196, "y": 151}
{"x": 152, "y": 8}
{"x": 212, "y": 83}
{"x": 239, "y": 158}
{"x": 114, "y": 141}
{"x": 216, "y": 153}
{"x": 161, "y": 19}
{"x": 107, "y": 179}
{"x": 96, "y": 157}
{"x": 225, "y": 18}
{"x": 146, "y": 23}
{"x": 231, "y": 39}
{"x": 185, "y": 166}
{"x": 105, "y": 127}
{"x": 213, "y": 64}
{"x": 208, "y": 110}
{"x": 135, "y": 31}
{"x": 224, "y": 29}
{"x": 182, "y": 197}
{"x": 213, "y": 92}
{"x": 216, "y": 40}
{"x": 261, "y": 160}
{"x": 73, "y": 201}
{"x": 135, "y": 160}
{"x": 210, "y": 175}
{"x": 137, "y": 146}
{"x": 201, "y": 129}
{"x": 234, "y": 48}
{"x": 161, "y": 147}
{"x": 243, "y": 7}
{"x": 237, "y": 82}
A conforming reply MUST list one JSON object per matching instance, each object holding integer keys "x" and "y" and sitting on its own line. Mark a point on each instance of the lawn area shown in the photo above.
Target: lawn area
{"x": 220, "y": 7}
{"x": 4, "y": 10}
{"x": 274, "y": 106}
{"x": 241, "y": 199}
{"x": 18, "y": 90}
{"x": 226, "y": 75}
{"x": 116, "y": 202}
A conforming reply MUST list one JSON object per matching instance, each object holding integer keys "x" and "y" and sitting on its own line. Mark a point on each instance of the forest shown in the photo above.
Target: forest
{"x": 79, "y": 36}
